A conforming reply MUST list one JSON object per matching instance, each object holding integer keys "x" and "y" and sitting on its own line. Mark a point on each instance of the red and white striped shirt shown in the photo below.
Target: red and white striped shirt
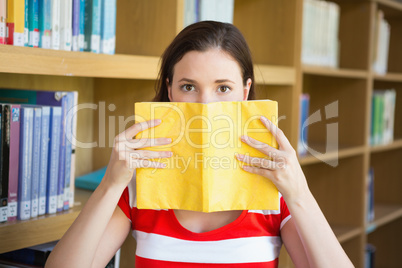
{"x": 252, "y": 240}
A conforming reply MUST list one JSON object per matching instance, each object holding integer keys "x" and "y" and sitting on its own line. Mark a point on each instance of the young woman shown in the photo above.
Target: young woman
{"x": 206, "y": 62}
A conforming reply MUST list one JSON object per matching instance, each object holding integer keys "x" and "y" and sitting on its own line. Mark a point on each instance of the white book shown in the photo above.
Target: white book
{"x": 66, "y": 15}
{"x": 55, "y": 41}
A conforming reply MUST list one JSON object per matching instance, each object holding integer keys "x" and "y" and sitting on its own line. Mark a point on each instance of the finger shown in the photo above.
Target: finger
{"x": 130, "y": 132}
{"x": 257, "y": 161}
{"x": 261, "y": 146}
{"x": 142, "y": 143}
{"x": 280, "y": 137}
{"x": 259, "y": 171}
{"x": 145, "y": 154}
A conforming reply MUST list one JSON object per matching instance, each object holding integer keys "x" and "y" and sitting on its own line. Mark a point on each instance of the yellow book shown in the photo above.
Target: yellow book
{"x": 203, "y": 173}
{"x": 15, "y": 22}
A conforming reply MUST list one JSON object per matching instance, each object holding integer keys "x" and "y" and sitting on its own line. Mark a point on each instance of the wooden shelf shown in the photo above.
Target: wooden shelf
{"x": 391, "y": 7}
{"x": 384, "y": 214}
{"x": 328, "y": 71}
{"x": 345, "y": 233}
{"x": 386, "y": 147}
{"x": 25, "y": 60}
{"x": 274, "y": 75}
{"x": 390, "y": 77}
{"x": 343, "y": 152}
{"x": 20, "y": 234}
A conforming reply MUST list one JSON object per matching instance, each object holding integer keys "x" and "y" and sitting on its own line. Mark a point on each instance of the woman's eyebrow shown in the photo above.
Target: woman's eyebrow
{"x": 187, "y": 80}
{"x": 224, "y": 81}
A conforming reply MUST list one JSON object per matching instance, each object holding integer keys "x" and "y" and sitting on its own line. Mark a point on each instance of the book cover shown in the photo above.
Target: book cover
{"x": 4, "y": 152}
{"x": 108, "y": 27}
{"x": 3, "y": 21}
{"x": 25, "y": 167}
{"x": 62, "y": 155}
{"x": 53, "y": 160}
{"x": 73, "y": 117}
{"x": 203, "y": 173}
{"x": 68, "y": 151}
{"x": 44, "y": 155}
{"x": 26, "y": 23}
{"x": 55, "y": 35}
{"x": 33, "y": 23}
{"x": 16, "y": 31}
{"x": 10, "y": 22}
{"x": 14, "y": 162}
{"x": 92, "y": 26}
{"x": 45, "y": 23}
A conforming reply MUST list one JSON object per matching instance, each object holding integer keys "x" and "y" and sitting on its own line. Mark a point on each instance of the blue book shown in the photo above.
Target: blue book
{"x": 76, "y": 24}
{"x": 35, "y": 173}
{"x": 25, "y": 167}
{"x": 93, "y": 25}
{"x": 108, "y": 27}
{"x": 81, "y": 35}
{"x": 45, "y": 23}
{"x": 91, "y": 180}
{"x": 303, "y": 131}
{"x": 26, "y": 22}
{"x": 33, "y": 23}
{"x": 44, "y": 154}
{"x": 62, "y": 156}
{"x": 53, "y": 160}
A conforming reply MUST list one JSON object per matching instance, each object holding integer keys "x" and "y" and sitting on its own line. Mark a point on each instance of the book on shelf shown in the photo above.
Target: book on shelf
{"x": 45, "y": 23}
{"x": 66, "y": 11}
{"x": 320, "y": 42}
{"x": 369, "y": 256}
{"x": 4, "y": 153}
{"x": 108, "y": 27}
{"x": 382, "y": 31}
{"x": 370, "y": 195}
{"x": 48, "y": 173}
{"x": 75, "y": 25}
{"x": 303, "y": 127}
{"x": 200, "y": 10}
{"x": 93, "y": 11}
{"x": 15, "y": 22}
{"x": 33, "y": 23}
{"x": 3, "y": 21}
{"x": 55, "y": 30}
{"x": 382, "y": 117}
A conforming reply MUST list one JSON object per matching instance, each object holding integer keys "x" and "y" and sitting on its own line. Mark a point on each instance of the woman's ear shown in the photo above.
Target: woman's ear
{"x": 247, "y": 89}
{"x": 169, "y": 88}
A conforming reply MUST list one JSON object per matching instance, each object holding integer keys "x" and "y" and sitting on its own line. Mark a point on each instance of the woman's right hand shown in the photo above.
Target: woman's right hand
{"x": 126, "y": 157}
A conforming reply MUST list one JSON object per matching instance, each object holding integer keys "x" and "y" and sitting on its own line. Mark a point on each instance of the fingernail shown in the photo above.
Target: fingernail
{"x": 243, "y": 138}
{"x": 168, "y": 139}
{"x": 158, "y": 121}
{"x": 163, "y": 165}
{"x": 263, "y": 118}
{"x": 239, "y": 156}
{"x": 246, "y": 167}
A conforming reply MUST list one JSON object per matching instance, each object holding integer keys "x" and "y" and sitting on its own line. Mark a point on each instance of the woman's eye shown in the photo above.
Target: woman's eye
{"x": 188, "y": 87}
{"x": 224, "y": 89}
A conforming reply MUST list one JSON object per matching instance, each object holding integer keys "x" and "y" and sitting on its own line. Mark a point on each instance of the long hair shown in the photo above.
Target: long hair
{"x": 202, "y": 36}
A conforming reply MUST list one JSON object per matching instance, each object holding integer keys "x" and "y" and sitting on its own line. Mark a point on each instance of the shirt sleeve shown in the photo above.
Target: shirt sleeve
{"x": 124, "y": 203}
{"x": 285, "y": 214}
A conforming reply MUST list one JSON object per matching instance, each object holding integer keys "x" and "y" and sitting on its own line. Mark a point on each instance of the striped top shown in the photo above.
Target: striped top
{"x": 252, "y": 240}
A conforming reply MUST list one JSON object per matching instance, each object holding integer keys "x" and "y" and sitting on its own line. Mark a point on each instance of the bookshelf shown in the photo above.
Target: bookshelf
{"x": 273, "y": 31}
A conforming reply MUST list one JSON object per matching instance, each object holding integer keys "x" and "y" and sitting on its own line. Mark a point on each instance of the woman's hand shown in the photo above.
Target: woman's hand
{"x": 281, "y": 165}
{"x": 126, "y": 157}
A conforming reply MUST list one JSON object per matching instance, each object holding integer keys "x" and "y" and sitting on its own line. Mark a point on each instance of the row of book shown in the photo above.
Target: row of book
{"x": 320, "y": 43}
{"x": 382, "y": 116}
{"x": 71, "y": 25}
{"x": 200, "y": 10}
{"x": 37, "y": 153}
{"x": 382, "y": 32}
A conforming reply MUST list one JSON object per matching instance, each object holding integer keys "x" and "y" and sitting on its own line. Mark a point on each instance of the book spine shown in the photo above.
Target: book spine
{"x": 67, "y": 179}
{"x": 26, "y": 23}
{"x": 96, "y": 26}
{"x": 76, "y": 24}
{"x": 66, "y": 8}
{"x": 3, "y": 180}
{"x": 36, "y": 139}
{"x": 73, "y": 117}
{"x": 14, "y": 162}
{"x": 55, "y": 35}
{"x": 18, "y": 28}
{"x": 44, "y": 159}
{"x": 62, "y": 157}
{"x": 81, "y": 35}
{"x": 53, "y": 160}
{"x": 45, "y": 23}
{"x": 87, "y": 25}
{"x": 3, "y": 21}
{"x": 108, "y": 31}
{"x": 24, "y": 183}
{"x": 6, "y": 118}
{"x": 10, "y": 22}
{"x": 33, "y": 23}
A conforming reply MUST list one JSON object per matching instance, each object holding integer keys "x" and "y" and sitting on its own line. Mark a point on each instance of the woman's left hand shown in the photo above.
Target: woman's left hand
{"x": 281, "y": 167}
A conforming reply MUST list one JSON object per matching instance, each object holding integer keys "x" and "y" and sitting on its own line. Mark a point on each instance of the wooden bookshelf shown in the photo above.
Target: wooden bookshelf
{"x": 273, "y": 31}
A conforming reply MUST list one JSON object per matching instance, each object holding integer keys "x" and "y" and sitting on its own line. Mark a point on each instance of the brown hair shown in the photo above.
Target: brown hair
{"x": 202, "y": 36}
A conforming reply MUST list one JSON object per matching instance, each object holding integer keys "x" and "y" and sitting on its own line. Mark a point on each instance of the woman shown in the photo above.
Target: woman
{"x": 206, "y": 62}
